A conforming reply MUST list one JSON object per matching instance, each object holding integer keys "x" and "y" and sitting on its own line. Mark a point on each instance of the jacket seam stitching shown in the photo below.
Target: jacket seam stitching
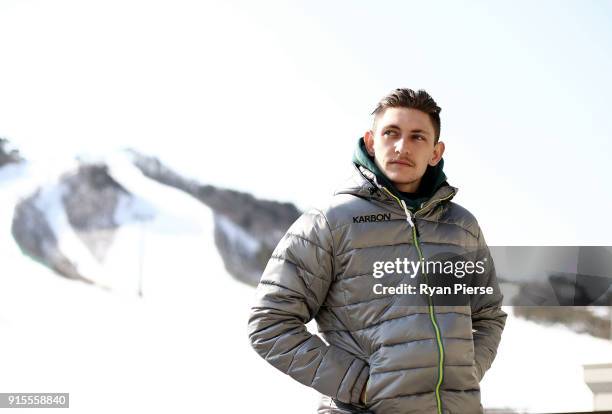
{"x": 352, "y": 276}
{"x": 299, "y": 345}
{"x": 277, "y": 338}
{"x": 380, "y": 297}
{"x": 309, "y": 241}
{"x": 402, "y": 369}
{"x": 392, "y": 319}
{"x": 423, "y": 367}
{"x": 259, "y": 331}
{"x": 418, "y": 340}
{"x": 319, "y": 366}
{"x": 333, "y": 247}
{"x": 273, "y": 283}
{"x": 415, "y": 394}
{"x": 355, "y": 383}
{"x": 426, "y": 392}
{"x": 342, "y": 380}
{"x": 274, "y": 256}
{"x": 389, "y": 320}
{"x": 376, "y": 245}
{"x": 305, "y": 295}
{"x": 449, "y": 222}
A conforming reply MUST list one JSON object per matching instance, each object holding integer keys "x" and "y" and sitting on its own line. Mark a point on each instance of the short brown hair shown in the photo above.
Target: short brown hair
{"x": 407, "y": 98}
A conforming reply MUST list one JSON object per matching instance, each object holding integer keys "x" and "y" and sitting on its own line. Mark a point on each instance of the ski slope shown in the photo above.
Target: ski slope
{"x": 182, "y": 348}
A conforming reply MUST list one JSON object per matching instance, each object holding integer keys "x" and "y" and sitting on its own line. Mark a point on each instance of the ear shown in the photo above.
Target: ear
{"x": 437, "y": 153}
{"x": 368, "y": 138}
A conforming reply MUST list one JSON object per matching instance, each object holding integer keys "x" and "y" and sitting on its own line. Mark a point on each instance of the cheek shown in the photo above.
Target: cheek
{"x": 379, "y": 151}
{"x": 387, "y": 150}
{"x": 426, "y": 157}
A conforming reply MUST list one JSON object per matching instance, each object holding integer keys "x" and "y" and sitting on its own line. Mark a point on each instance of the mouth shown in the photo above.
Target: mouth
{"x": 401, "y": 162}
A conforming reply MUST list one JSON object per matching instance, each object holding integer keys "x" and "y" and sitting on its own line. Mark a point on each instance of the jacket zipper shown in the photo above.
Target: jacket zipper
{"x": 432, "y": 314}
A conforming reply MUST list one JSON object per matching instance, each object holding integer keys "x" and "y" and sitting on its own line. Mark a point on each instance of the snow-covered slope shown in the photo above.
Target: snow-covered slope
{"x": 538, "y": 369}
{"x": 183, "y": 346}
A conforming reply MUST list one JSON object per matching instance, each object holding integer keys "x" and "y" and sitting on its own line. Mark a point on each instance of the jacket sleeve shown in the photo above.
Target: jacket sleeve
{"x": 488, "y": 319}
{"x": 291, "y": 290}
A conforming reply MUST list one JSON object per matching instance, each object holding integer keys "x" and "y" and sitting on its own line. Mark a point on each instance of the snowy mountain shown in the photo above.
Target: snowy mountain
{"x": 246, "y": 229}
{"x": 161, "y": 327}
{"x": 69, "y": 223}
{"x": 182, "y": 347}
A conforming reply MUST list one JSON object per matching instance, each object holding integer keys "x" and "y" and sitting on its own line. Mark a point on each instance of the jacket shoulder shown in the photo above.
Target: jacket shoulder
{"x": 340, "y": 208}
{"x": 312, "y": 225}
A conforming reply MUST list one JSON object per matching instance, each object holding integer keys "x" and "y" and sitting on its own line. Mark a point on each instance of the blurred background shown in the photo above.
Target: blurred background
{"x": 154, "y": 152}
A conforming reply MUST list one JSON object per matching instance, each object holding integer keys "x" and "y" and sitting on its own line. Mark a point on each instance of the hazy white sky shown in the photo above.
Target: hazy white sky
{"x": 270, "y": 97}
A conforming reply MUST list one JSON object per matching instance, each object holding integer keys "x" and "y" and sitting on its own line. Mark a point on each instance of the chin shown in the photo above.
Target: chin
{"x": 401, "y": 178}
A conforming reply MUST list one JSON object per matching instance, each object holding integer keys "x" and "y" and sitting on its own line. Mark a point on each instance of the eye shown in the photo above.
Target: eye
{"x": 419, "y": 137}
{"x": 390, "y": 132}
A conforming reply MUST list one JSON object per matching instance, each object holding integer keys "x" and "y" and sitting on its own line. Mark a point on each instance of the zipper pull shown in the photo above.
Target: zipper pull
{"x": 409, "y": 217}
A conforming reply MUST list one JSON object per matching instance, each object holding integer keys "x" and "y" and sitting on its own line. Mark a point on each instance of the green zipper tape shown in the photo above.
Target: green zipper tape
{"x": 432, "y": 314}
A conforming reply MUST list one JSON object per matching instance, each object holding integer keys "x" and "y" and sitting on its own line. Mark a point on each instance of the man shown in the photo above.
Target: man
{"x": 385, "y": 352}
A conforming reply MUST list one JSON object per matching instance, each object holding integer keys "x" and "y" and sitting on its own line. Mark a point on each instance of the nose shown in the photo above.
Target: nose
{"x": 402, "y": 146}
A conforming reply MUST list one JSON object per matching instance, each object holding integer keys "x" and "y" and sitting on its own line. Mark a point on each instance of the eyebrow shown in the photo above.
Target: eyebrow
{"x": 422, "y": 131}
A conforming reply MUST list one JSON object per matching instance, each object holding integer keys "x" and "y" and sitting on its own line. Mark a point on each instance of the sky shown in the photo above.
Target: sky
{"x": 270, "y": 97}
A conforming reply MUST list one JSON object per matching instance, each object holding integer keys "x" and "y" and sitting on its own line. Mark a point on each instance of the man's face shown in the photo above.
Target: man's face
{"x": 403, "y": 146}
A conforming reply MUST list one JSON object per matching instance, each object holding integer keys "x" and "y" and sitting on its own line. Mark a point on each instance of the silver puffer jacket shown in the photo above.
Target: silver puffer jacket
{"x": 410, "y": 353}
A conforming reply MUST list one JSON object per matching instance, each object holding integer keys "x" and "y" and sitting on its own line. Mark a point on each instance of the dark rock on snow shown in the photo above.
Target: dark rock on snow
{"x": 246, "y": 229}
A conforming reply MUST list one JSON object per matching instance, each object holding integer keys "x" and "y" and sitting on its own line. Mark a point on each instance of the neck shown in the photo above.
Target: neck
{"x": 408, "y": 187}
